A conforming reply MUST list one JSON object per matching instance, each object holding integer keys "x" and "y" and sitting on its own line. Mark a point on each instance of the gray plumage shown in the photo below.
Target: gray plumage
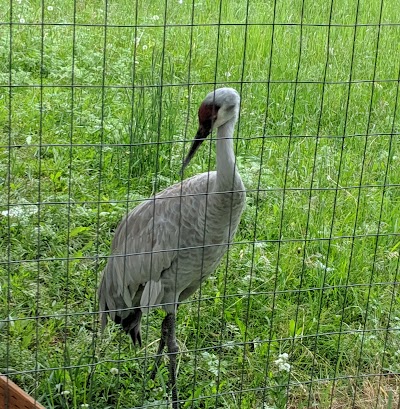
{"x": 165, "y": 247}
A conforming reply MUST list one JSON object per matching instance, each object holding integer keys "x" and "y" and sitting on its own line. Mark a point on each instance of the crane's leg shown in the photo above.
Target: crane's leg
{"x": 168, "y": 337}
{"x": 173, "y": 349}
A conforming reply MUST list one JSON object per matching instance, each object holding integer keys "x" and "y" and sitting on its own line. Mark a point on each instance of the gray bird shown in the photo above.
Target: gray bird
{"x": 165, "y": 247}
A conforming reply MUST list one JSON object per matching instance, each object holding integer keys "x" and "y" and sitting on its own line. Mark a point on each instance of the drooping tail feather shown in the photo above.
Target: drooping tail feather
{"x": 128, "y": 319}
{"x": 131, "y": 325}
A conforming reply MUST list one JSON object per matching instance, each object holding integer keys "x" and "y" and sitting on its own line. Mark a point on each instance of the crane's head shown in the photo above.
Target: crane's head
{"x": 218, "y": 108}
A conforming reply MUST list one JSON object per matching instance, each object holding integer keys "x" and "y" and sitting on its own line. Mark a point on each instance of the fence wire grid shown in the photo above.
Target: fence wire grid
{"x": 98, "y": 107}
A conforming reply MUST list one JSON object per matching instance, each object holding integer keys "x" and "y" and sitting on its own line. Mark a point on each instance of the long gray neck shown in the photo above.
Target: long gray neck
{"x": 227, "y": 175}
{"x": 225, "y": 209}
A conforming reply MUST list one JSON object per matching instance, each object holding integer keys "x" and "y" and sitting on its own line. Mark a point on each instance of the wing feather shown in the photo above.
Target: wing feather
{"x": 144, "y": 245}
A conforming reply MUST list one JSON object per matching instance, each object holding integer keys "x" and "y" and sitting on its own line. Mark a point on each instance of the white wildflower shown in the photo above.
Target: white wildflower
{"x": 20, "y": 211}
{"x": 66, "y": 393}
{"x": 180, "y": 1}
{"x": 84, "y": 405}
{"x": 155, "y": 17}
{"x": 145, "y": 47}
{"x": 114, "y": 371}
{"x": 282, "y": 362}
{"x": 22, "y": 20}
{"x": 322, "y": 266}
{"x": 284, "y": 367}
{"x": 50, "y": 8}
{"x": 227, "y": 74}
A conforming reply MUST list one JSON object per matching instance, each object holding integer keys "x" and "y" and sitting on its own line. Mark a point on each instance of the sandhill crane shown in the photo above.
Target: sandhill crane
{"x": 165, "y": 247}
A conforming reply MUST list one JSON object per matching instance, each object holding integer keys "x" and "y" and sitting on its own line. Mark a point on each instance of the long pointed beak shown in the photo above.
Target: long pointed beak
{"x": 201, "y": 135}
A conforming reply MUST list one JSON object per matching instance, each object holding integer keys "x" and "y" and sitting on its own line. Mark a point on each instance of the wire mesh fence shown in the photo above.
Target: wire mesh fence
{"x": 98, "y": 109}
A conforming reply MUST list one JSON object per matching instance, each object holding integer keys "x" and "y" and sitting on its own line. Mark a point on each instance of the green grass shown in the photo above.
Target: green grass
{"x": 314, "y": 268}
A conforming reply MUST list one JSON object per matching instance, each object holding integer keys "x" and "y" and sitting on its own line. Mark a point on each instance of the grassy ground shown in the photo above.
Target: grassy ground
{"x": 314, "y": 269}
